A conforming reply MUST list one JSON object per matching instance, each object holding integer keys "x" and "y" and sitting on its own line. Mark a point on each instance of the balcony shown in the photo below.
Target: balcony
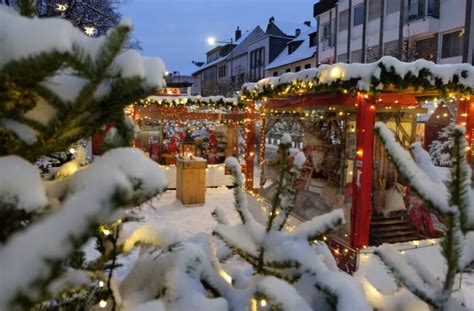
{"x": 421, "y": 9}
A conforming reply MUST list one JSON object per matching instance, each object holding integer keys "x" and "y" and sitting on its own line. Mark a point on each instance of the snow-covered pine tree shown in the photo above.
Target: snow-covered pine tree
{"x": 292, "y": 270}
{"x": 441, "y": 149}
{"x": 58, "y": 86}
{"x": 452, "y": 199}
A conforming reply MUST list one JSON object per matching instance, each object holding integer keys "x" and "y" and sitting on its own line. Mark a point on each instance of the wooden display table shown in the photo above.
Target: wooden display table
{"x": 191, "y": 181}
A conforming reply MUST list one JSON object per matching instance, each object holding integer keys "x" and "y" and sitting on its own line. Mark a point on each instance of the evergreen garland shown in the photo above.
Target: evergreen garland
{"x": 385, "y": 79}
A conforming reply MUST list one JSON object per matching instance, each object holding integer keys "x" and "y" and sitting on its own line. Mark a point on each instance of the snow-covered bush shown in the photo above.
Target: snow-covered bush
{"x": 452, "y": 199}
{"x": 441, "y": 149}
{"x": 58, "y": 86}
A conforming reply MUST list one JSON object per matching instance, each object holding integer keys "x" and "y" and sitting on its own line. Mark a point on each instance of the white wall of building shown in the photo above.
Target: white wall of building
{"x": 452, "y": 18}
{"x": 291, "y": 67}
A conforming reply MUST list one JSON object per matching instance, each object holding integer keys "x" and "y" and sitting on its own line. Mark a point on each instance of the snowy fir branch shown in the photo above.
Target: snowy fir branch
{"x": 289, "y": 259}
{"x": 460, "y": 188}
{"x": 59, "y": 86}
{"x": 432, "y": 191}
{"x": 409, "y": 276}
{"x": 107, "y": 184}
{"x": 280, "y": 295}
{"x": 59, "y": 81}
{"x": 451, "y": 198}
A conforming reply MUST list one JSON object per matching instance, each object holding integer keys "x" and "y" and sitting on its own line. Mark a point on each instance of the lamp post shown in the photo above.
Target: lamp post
{"x": 212, "y": 41}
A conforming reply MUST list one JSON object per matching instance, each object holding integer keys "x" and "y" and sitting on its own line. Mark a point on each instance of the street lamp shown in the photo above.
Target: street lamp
{"x": 212, "y": 41}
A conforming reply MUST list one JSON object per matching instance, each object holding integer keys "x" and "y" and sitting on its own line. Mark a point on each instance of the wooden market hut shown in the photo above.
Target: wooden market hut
{"x": 349, "y": 99}
{"x": 182, "y": 109}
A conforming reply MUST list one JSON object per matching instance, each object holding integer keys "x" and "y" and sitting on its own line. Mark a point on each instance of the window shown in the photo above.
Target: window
{"x": 288, "y": 70}
{"x": 275, "y": 73}
{"x": 359, "y": 14}
{"x": 307, "y": 66}
{"x": 342, "y": 58}
{"x": 343, "y": 20}
{"x": 313, "y": 39}
{"x": 416, "y": 9}
{"x": 426, "y": 48}
{"x": 372, "y": 53}
{"x": 222, "y": 71}
{"x": 257, "y": 64}
{"x": 298, "y": 68}
{"x": 393, "y": 6}
{"x": 326, "y": 35}
{"x": 391, "y": 48}
{"x": 433, "y": 8}
{"x": 356, "y": 56}
{"x": 375, "y": 8}
{"x": 452, "y": 44}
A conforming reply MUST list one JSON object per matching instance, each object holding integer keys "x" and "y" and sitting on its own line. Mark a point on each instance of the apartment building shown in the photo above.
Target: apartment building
{"x": 365, "y": 30}
{"x": 299, "y": 53}
{"x": 227, "y": 67}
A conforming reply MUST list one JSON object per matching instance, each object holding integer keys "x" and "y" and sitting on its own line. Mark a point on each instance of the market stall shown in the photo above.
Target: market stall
{"x": 336, "y": 107}
{"x": 211, "y": 128}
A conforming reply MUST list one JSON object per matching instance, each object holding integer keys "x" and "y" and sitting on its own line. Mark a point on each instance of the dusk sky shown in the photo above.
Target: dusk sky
{"x": 177, "y": 30}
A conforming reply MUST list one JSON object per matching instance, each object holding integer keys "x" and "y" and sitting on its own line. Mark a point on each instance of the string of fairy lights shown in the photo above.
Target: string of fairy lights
{"x": 63, "y": 7}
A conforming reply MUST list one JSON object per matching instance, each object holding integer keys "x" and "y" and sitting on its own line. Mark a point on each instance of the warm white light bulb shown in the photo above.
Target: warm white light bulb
{"x": 61, "y": 7}
{"x": 263, "y": 302}
{"x": 103, "y": 303}
{"x": 72, "y": 150}
{"x": 89, "y": 30}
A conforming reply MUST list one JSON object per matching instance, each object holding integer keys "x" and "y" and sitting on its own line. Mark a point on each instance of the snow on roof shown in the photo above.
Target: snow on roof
{"x": 304, "y": 51}
{"x": 243, "y": 37}
{"x": 208, "y": 65}
{"x": 367, "y": 77}
{"x": 289, "y": 28}
{"x": 192, "y": 99}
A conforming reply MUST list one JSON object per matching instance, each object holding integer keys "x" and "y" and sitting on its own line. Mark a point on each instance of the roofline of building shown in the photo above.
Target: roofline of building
{"x": 323, "y": 6}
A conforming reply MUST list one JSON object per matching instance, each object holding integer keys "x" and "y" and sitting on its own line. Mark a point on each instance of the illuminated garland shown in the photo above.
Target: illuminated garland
{"x": 386, "y": 75}
{"x": 191, "y": 101}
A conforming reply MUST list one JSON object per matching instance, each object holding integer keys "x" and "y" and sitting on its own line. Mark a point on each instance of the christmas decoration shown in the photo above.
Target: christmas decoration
{"x": 441, "y": 150}
{"x": 211, "y": 102}
{"x": 386, "y": 75}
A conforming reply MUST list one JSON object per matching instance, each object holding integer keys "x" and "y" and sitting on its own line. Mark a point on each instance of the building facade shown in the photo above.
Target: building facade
{"x": 298, "y": 54}
{"x": 228, "y": 67}
{"x": 365, "y": 30}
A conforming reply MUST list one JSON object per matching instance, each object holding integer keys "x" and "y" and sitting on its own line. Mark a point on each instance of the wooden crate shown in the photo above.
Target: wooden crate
{"x": 191, "y": 182}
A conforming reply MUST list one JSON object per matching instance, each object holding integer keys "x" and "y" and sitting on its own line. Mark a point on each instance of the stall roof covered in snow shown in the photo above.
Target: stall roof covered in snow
{"x": 183, "y": 100}
{"x": 304, "y": 51}
{"x": 387, "y": 74}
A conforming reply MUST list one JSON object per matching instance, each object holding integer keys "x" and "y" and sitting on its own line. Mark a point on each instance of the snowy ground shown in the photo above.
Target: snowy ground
{"x": 167, "y": 212}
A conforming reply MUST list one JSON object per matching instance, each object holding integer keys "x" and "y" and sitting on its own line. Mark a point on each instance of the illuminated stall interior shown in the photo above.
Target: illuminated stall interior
{"x": 211, "y": 128}
{"x": 335, "y": 108}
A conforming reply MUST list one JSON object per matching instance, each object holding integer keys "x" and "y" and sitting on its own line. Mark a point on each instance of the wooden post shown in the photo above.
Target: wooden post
{"x": 361, "y": 212}
{"x": 466, "y": 118}
{"x": 249, "y": 151}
